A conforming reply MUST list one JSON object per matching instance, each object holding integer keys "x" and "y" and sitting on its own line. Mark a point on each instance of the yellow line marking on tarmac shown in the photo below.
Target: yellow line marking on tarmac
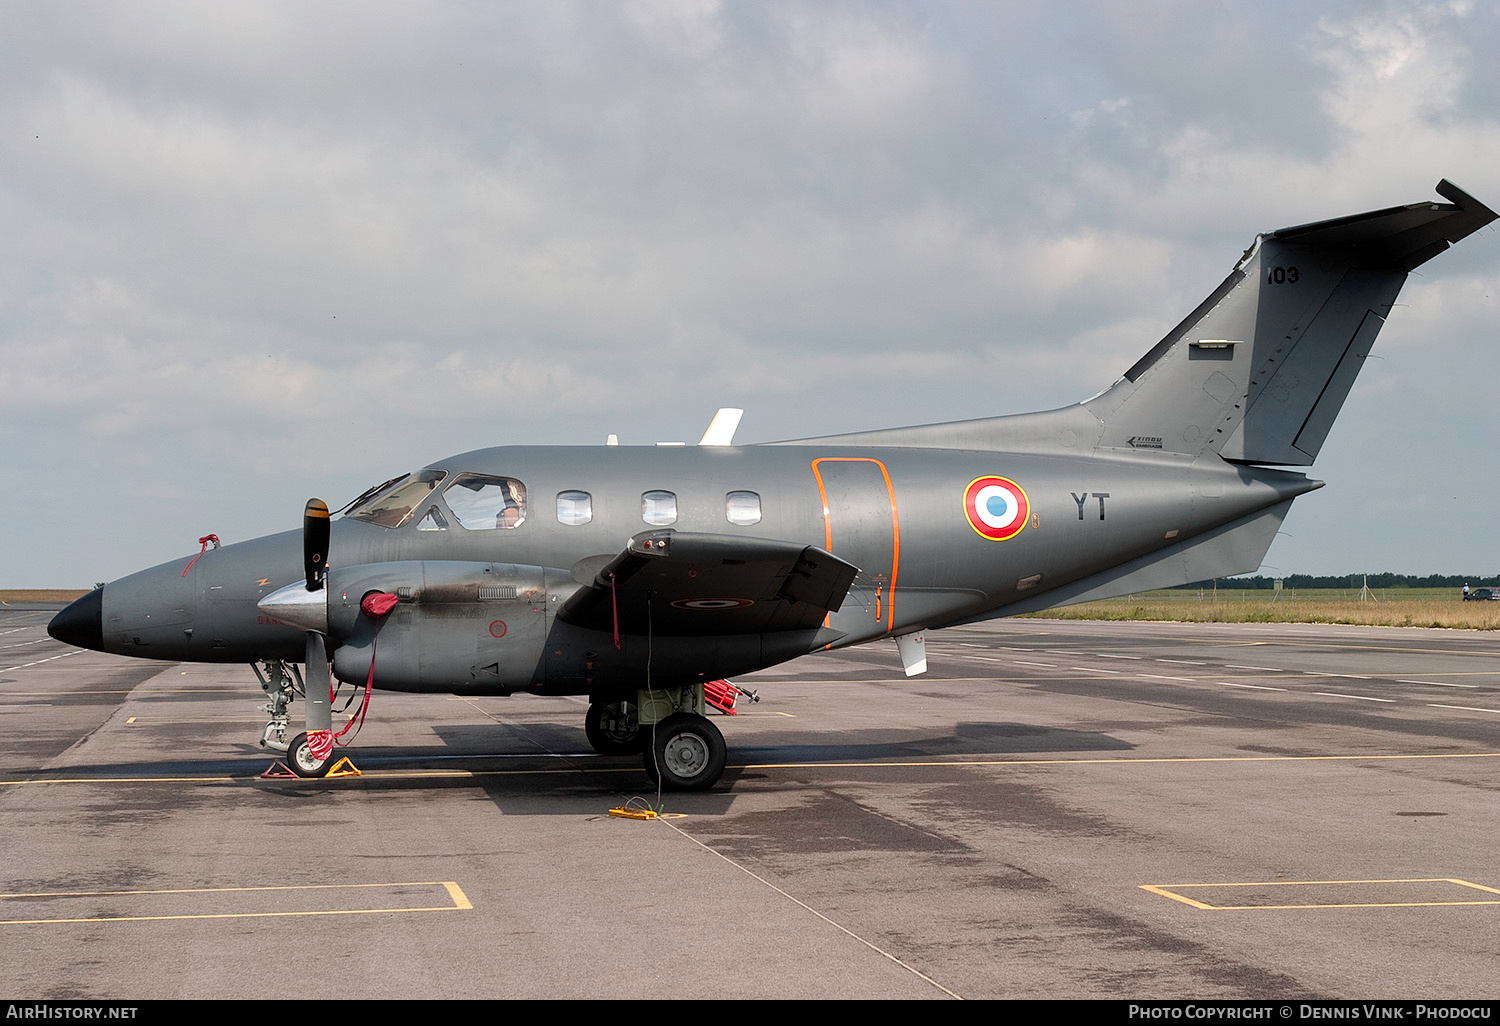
{"x": 376, "y": 775}
{"x": 1168, "y": 891}
{"x": 138, "y": 692}
{"x": 455, "y": 893}
{"x": 230, "y": 719}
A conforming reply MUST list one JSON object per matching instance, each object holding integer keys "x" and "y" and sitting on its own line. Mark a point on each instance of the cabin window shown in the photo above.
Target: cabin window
{"x": 574, "y": 508}
{"x": 659, "y": 509}
{"x": 742, "y": 508}
{"x": 433, "y": 521}
{"x": 483, "y": 503}
{"x": 394, "y": 507}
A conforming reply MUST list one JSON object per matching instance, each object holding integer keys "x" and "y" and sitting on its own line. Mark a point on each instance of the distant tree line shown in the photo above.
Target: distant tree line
{"x": 1385, "y": 580}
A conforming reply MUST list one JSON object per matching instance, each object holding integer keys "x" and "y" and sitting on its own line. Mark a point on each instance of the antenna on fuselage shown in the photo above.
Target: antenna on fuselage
{"x": 722, "y": 428}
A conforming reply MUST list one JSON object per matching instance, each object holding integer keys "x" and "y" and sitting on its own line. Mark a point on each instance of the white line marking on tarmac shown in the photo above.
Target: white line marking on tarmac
{"x": 1184, "y": 662}
{"x": 1361, "y": 698}
{"x": 1022, "y": 662}
{"x": 1158, "y": 676}
{"x": 837, "y": 926}
{"x": 1257, "y": 687}
{"x": 1106, "y": 655}
{"x": 1320, "y": 673}
{"x": 1273, "y": 669}
{"x": 1092, "y": 669}
{"x": 76, "y": 651}
{"x": 1465, "y": 708}
{"x": 1436, "y": 683}
{"x": 23, "y": 644}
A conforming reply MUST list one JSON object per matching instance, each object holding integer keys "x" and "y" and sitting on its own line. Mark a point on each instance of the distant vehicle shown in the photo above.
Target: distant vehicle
{"x": 1483, "y": 595}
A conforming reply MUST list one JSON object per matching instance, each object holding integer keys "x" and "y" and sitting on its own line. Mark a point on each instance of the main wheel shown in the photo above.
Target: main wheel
{"x": 614, "y": 728}
{"x": 686, "y": 752}
{"x": 302, "y": 761}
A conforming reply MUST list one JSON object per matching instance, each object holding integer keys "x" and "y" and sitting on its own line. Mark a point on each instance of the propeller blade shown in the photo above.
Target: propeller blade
{"x": 315, "y": 531}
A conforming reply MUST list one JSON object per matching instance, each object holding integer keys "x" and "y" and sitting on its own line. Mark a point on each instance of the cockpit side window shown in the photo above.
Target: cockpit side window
{"x": 394, "y": 507}
{"x": 483, "y": 503}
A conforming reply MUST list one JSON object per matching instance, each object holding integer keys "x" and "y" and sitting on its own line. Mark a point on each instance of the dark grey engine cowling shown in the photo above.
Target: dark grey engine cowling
{"x": 457, "y": 626}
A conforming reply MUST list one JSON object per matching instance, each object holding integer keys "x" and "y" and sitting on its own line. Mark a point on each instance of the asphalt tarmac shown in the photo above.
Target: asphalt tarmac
{"x": 1058, "y": 809}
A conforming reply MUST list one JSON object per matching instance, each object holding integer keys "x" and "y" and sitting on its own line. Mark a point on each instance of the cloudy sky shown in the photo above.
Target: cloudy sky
{"x": 257, "y": 252}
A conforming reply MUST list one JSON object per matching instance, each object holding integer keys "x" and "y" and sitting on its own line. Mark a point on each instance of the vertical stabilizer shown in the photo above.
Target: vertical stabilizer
{"x": 1259, "y": 371}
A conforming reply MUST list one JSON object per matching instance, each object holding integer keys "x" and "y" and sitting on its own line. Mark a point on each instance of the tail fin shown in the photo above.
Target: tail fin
{"x": 1259, "y": 371}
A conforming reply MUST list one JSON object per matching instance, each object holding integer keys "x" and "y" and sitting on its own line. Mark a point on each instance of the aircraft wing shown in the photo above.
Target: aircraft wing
{"x": 684, "y": 584}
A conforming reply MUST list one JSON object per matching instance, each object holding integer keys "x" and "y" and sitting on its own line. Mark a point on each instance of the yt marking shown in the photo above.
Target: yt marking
{"x": 1081, "y": 499}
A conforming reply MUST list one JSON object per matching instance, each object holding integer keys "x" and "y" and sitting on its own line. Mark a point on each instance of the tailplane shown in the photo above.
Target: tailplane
{"x": 1259, "y": 371}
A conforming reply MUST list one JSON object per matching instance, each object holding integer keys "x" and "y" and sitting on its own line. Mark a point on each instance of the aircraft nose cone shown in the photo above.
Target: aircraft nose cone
{"x": 82, "y": 623}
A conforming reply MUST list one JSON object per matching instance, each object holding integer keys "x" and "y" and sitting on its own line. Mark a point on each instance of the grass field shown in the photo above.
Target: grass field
{"x": 1390, "y": 607}
{"x": 41, "y": 594}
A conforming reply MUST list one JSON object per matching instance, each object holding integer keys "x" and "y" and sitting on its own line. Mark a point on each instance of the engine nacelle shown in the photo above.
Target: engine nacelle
{"x": 457, "y": 626}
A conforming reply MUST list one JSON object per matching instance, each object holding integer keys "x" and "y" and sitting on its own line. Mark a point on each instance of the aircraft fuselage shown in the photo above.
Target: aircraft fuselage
{"x": 909, "y": 519}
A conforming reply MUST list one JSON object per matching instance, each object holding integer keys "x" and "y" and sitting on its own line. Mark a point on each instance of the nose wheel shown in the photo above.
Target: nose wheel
{"x": 303, "y": 762}
{"x": 686, "y": 753}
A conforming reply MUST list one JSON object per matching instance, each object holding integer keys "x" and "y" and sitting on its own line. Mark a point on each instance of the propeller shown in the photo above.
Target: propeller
{"x": 315, "y": 531}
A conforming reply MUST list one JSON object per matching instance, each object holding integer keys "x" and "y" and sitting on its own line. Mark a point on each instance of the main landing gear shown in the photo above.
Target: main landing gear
{"x": 614, "y": 728}
{"x": 680, "y": 747}
{"x": 687, "y": 753}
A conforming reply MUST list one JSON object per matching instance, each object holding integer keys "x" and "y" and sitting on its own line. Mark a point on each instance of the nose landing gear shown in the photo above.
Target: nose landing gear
{"x": 281, "y": 682}
{"x": 303, "y": 762}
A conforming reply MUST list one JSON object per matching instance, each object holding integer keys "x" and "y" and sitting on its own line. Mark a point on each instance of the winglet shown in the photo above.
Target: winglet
{"x": 722, "y": 428}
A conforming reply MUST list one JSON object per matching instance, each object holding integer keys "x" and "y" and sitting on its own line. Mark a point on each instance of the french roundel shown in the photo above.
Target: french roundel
{"x": 997, "y": 507}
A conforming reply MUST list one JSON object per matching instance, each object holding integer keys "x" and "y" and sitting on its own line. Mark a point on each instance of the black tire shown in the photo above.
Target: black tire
{"x": 686, "y": 751}
{"x": 300, "y": 759}
{"x": 613, "y": 732}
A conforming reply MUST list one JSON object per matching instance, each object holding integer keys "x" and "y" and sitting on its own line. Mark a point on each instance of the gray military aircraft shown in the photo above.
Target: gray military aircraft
{"x": 635, "y": 575}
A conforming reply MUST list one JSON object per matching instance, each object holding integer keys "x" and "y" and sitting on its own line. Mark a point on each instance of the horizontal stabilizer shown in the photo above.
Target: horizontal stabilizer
{"x": 1258, "y": 372}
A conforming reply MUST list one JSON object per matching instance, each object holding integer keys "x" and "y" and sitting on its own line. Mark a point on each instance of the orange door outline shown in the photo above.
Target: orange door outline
{"x": 890, "y": 599}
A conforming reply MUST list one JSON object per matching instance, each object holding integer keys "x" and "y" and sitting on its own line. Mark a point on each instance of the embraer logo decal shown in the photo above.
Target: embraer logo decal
{"x": 997, "y": 507}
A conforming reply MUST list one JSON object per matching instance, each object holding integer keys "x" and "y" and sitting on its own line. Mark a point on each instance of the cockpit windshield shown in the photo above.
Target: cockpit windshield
{"x": 394, "y": 505}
